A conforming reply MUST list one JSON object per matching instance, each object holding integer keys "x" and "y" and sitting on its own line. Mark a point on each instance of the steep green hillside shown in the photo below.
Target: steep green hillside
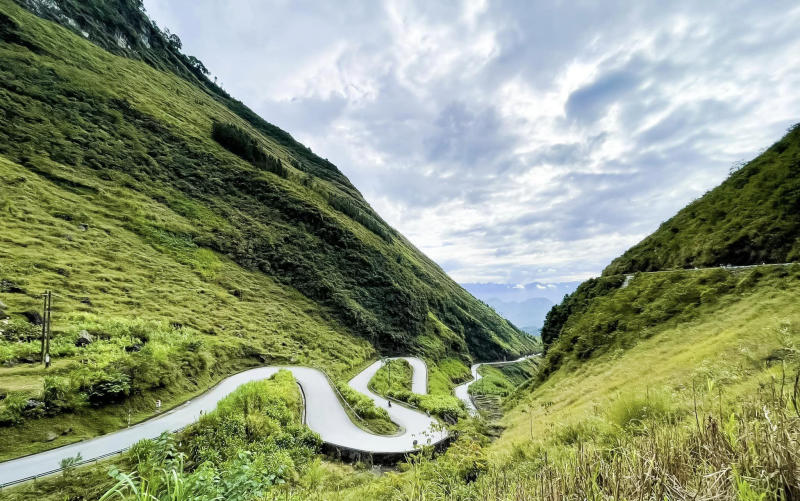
{"x": 753, "y": 217}
{"x": 700, "y": 403}
{"x": 603, "y": 317}
{"x": 186, "y": 236}
{"x": 73, "y": 108}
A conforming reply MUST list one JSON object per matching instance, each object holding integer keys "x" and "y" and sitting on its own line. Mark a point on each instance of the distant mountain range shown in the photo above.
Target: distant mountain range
{"x": 525, "y": 305}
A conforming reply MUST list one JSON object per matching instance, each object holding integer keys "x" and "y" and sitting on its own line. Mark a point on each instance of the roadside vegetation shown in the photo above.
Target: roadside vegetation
{"x": 253, "y": 443}
{"x": 363, "y": 411}
{"x": 442, "y": 378}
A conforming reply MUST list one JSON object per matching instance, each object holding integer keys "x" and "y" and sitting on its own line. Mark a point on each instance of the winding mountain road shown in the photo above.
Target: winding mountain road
{"x": 418, "y": 427}
{"x": 462, "y": 390}
{"x": 324, "y": 414}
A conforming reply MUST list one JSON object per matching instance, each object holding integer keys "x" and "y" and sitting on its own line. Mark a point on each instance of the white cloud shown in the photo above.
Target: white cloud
{"x": 514, "y": 141}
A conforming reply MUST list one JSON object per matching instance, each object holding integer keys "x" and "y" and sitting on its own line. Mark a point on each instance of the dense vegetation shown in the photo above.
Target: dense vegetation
{"x": 605, "y": 319}
{"x": 363, "y": 411}
{"x": 185, "y": 238}
{"x": 244, "y": 145}
{"x": 753, "y": 217}
{"x": 575, "y": 303}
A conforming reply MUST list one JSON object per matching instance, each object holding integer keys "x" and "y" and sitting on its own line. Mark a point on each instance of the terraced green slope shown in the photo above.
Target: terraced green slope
{"x": 184, "y": 257}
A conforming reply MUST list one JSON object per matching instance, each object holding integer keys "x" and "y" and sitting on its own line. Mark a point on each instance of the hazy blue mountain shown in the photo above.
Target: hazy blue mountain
{"x": 525, "y": 305}
{"x": 528, "y": 315}
{"x": 555, "y": 292}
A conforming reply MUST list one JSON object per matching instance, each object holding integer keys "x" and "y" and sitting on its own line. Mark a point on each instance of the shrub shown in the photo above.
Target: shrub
{"x": 20, "y": 331}
{"x": 362, "y": 404}
{"x": 108, "y": 388}
{"x": 59, "y": 395}
{"x": 12, "y": 410}
{"x": 447, "y": 407}
{"x": 245, "y": 146}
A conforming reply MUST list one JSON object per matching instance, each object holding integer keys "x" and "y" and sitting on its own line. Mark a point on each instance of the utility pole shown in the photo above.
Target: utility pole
{"x": 46, "y": 324}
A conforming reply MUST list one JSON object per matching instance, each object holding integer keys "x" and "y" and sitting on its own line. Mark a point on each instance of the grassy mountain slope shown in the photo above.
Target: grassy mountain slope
{"x": 196, "y": 315}
{"x": 753, "y": 217}
{"x": 703, "y": 405}
{"x": 73, "y": 107}
{"x": 181, "y": 256}
{"x": 619, "y": 318}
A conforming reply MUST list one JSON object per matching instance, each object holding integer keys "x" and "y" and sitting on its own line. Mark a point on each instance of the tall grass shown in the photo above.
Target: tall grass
{"x": 749, "y": 453}
{"x": 633, "y": 412}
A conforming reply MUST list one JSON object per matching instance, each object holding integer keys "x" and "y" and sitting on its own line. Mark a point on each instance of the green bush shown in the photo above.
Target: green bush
{"x": 12, "y": 409}
{"x": 18, "y": 330}
{"x": 244, "y": 145}
{"x": 108, "y": 388}
{"x": 447, "y": 407}
{"x": 262, "y": 417}
{"x": 59, "y": 395}
{"x": 377, "y": 419}
{"x": 254, "y": 440}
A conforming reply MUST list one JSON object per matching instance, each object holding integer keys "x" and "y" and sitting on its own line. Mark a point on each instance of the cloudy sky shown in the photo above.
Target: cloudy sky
{"x": 512, "y": 142}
